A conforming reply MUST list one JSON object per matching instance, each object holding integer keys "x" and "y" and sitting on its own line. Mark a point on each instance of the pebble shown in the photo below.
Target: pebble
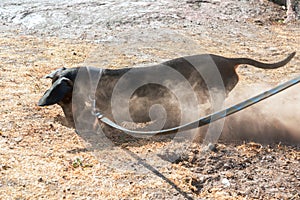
{"x": 210, "y": 147}
{"x": 18, "y": 139}
{"x": 225, "y": 182}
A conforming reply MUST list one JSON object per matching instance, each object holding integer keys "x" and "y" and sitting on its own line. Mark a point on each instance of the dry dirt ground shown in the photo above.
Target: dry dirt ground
{"x": 41, "y": 157}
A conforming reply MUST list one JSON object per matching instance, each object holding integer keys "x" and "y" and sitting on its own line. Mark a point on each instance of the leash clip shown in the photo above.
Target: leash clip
{"x": 94, "y": 111}
{"x": 99, "y": 115}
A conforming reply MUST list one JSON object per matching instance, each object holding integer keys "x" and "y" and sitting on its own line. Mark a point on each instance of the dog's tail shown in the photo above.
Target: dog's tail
{"x": 258, "y": 64}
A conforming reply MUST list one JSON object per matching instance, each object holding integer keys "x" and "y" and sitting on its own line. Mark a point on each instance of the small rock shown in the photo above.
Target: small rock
{"x": 18, "y": 139}
{"x": 225, "y": 182}
{"x": 212, "y": 147}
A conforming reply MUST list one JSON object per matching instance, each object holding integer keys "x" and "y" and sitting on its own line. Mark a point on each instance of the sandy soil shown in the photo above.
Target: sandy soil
{"x": 41, "y": 157}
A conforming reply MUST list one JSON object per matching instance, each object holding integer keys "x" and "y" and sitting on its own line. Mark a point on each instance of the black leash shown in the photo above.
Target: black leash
{"x": 209, "y": 118}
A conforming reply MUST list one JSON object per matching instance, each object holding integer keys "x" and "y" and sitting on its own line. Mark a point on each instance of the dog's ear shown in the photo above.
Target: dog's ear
{"x": 57, "y": 92}
{"x": 55, "y": 73}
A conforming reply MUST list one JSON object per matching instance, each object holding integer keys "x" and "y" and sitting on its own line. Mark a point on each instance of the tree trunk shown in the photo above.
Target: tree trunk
{"x": 293, "y": 10}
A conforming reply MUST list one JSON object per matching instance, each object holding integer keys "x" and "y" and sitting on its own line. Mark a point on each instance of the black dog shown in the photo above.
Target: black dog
{"x": 202, "y": 72}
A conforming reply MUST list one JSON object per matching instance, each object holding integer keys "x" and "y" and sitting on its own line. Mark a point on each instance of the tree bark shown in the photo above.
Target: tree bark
{"x": 293, "y": 10}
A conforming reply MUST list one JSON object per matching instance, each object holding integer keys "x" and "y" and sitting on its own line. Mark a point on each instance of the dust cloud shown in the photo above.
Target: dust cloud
{"x": 274, "y": 120}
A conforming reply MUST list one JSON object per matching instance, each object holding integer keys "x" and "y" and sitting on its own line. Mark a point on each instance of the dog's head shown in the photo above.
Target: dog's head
{"x": 60, "y": 91}
{"x": 62, "y": 86}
